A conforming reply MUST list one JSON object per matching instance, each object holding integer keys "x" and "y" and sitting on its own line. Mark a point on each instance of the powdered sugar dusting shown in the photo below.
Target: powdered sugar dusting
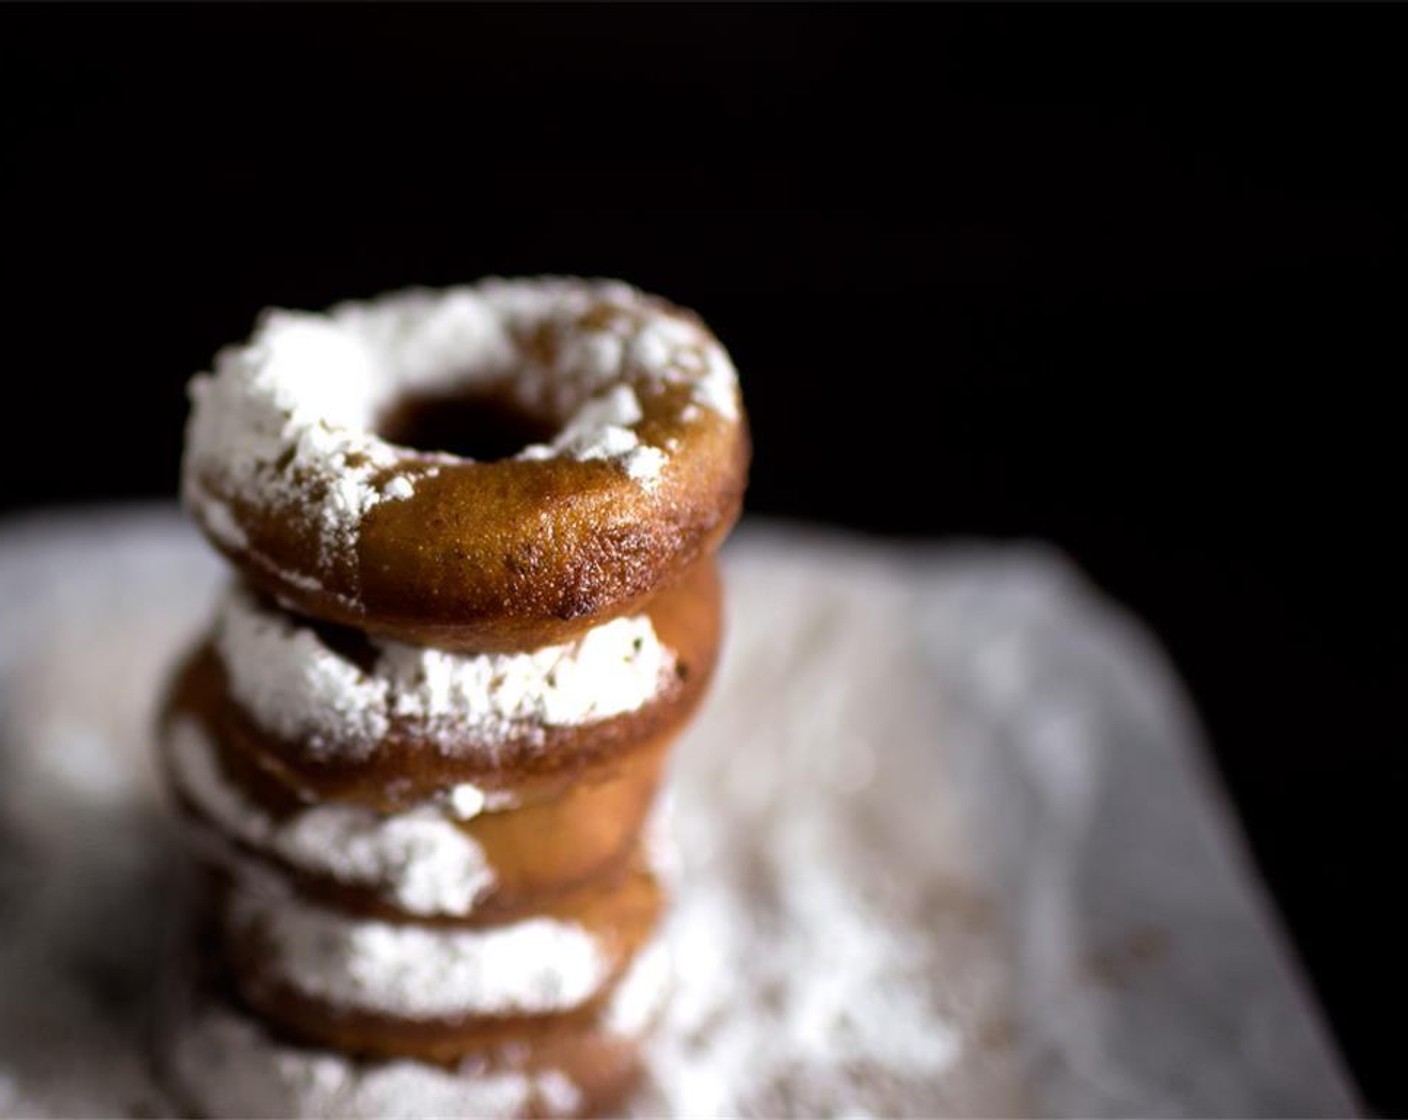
{"x": 221, "y": 523}
{"x": 872, "y": 981}
{"x": 466, "y": 800}
{"x": 284, "y": 421}
{"x": 606, "y": 333}
{"x": 294, "y": 685}
{"x": 560, "y": 1097}
{"x": 226, "y": 1065}
{"x": 637, "y": 1000}
{"x": 601, "y": 429}
{"x": 536, "y": 966}
{"x": 418, "y": 860}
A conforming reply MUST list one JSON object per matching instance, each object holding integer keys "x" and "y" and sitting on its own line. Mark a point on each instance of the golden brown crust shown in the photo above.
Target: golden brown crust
{"x": 407, "y": 768}
{"x": 621, "y": 916}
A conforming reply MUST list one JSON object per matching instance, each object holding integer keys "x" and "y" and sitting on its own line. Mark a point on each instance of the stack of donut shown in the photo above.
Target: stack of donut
{"x": 417, "y": 753}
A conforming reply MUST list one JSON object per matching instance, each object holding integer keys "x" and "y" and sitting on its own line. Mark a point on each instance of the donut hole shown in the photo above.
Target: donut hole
{"x": 478, "y": 426}
{"x": 347, "y": 642}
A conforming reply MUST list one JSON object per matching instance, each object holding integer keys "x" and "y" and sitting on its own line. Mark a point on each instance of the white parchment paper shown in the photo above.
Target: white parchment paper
{"x": 947, "y": 841}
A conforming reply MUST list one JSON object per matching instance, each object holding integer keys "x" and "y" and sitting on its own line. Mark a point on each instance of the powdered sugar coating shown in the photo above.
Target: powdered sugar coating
{"x": 636, "y": 1002}
{"x": 535, "y": 966}
{"x": 292, "y": 685}
{"x": 287, "y": 421}
{"x": 284, "y": 421}
{"x": 226, "y": 1065}
{"x": 417, "y": 860}
{"x": 290, "y": 682}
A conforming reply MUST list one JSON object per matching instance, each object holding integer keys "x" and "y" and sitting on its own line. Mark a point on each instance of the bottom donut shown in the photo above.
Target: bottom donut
{"x": 218, "y": 1061}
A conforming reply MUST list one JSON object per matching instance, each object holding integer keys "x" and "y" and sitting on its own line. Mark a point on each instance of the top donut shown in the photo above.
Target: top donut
{"x": 292, "y": 470}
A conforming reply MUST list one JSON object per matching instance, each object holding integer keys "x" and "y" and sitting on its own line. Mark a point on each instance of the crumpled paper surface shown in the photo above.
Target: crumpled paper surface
{"x": 947, "y": 841}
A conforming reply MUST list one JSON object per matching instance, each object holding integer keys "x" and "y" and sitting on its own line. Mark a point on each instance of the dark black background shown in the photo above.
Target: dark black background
{"x": 1126, "y": 278}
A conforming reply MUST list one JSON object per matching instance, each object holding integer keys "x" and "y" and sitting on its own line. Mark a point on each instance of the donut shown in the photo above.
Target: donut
{"x": 396, "y": 990}
{"x": 635, "y": 469}
{"x": 222, "y": 1063}
{"x": 217, "y": 1061}
{"x": 338, "y": 717}
{"x": 447, "y": 860}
